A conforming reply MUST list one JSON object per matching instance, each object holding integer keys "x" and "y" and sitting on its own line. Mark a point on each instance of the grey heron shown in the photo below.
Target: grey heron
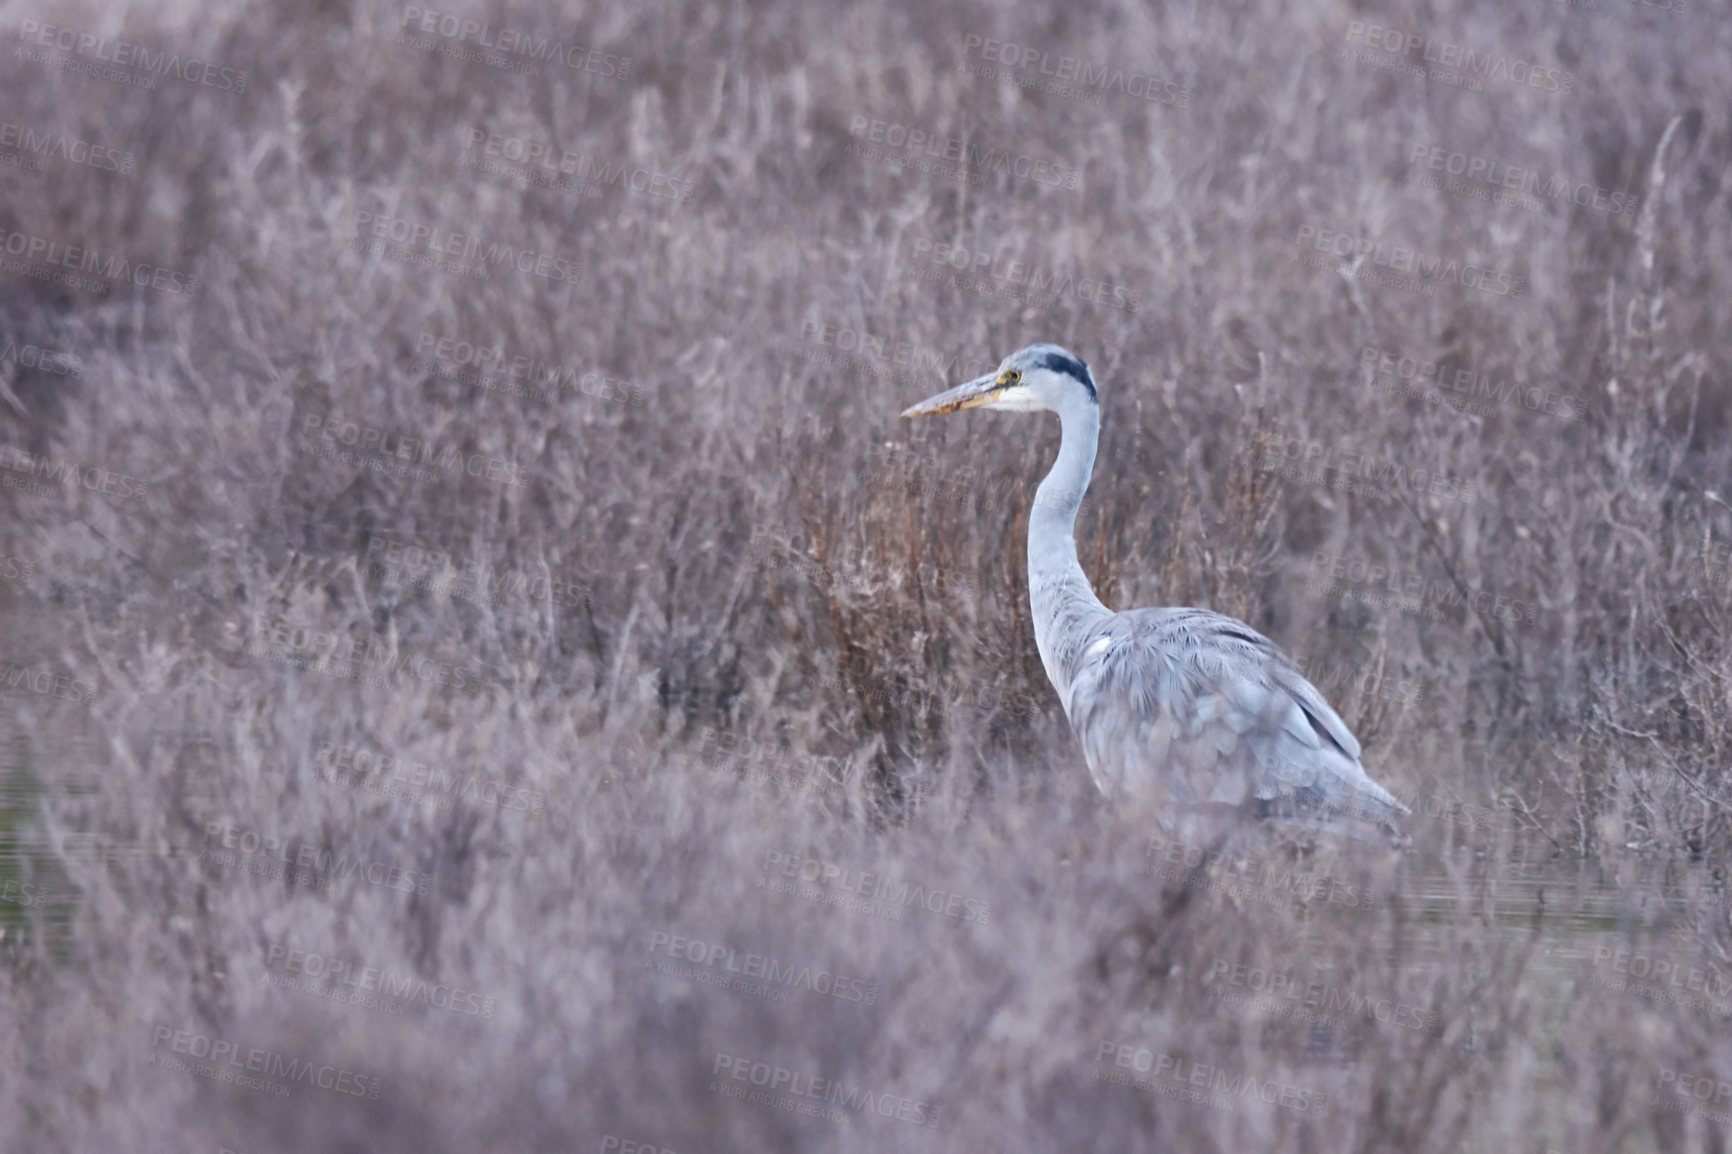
{"x": 1189, "y": 710}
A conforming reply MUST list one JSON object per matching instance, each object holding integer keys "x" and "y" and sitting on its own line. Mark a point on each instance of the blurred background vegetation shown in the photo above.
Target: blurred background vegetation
{"x": 659, "y": 587}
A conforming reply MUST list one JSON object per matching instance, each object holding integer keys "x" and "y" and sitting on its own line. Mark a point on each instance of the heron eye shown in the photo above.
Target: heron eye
{"x": 1011, "y": 376}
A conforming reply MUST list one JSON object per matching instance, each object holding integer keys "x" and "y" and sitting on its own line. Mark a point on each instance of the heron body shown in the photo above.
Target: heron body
{"x": 1191, "y": 711}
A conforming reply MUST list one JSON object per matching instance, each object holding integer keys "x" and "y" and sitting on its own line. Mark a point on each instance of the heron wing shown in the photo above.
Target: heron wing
{"x": 1205, "y": 709}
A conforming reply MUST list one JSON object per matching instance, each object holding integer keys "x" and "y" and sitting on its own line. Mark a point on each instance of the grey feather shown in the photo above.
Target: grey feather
{"x": 1190, "y": 709}
{"x": 1228, "y": 713}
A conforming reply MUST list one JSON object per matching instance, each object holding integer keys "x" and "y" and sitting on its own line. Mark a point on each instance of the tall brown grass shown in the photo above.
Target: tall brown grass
{"x": 619, "y": 655}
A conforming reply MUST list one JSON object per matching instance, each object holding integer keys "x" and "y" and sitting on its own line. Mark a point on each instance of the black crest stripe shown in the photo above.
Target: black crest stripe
{"x": 1071, "y": 367}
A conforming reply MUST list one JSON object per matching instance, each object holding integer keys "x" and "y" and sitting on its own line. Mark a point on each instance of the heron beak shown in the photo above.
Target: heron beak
{"x": 979, "y": 391}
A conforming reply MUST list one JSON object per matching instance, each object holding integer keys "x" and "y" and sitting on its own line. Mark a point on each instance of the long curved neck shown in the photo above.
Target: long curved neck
{"x": 1064, "y": 604}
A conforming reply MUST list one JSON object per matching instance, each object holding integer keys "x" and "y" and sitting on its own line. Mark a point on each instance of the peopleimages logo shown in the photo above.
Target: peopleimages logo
{"x": 498, "y": 369}
{"x": 66, "y": 148}
{"x": 44, "y": 683}
{"x": 1281, "y": 988}
{"x": 1214, "y": 869}
{"x": 1277, "y": 451}
{"x": 973, "y": 158}
{"x": 872, "y": 887}
{"x": 857, "y": 349}
{"x": 763, "y": 970}
{"x": 1025, "y": 275}
{"x": 801, "y": 771}
{"x": 353, "y": 979}
{"x": 494, "y": 152}
{"x": 128, "y": 55}
{"x": 43, "y": 360}
{"x": 1444, "y": 54}
{"x": 1666, "y": 979}
{"x": 1469, "y": 382}
{"x": 16, "y": 893}
{"x": 405, "y": 564}
{"x": 122, "y": 486}
{"x": 375, "y": 658}
{"x": 385, "y": 444}
{"x": 1501, "y": 174}
{"x": 1204, "y": 1077}
{"x": 1399, "y": 258}
{"x": 255, "y": 1060}
{"x": 41, "y": 252}
{"x": 800, "y": 1087}
{"x": 1073, "y": 76}
{"x": 1370, "y": 576}
{"x": 359, "y": 766}
{"x": 463, "y": 30}
{"x": 466, "y": 248}
{"x": 308, "y": 858}
{"x": 1695, "y": 1092}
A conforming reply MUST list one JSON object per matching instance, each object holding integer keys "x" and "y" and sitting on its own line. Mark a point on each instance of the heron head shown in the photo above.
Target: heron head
{"x": 1031, "y": 380}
